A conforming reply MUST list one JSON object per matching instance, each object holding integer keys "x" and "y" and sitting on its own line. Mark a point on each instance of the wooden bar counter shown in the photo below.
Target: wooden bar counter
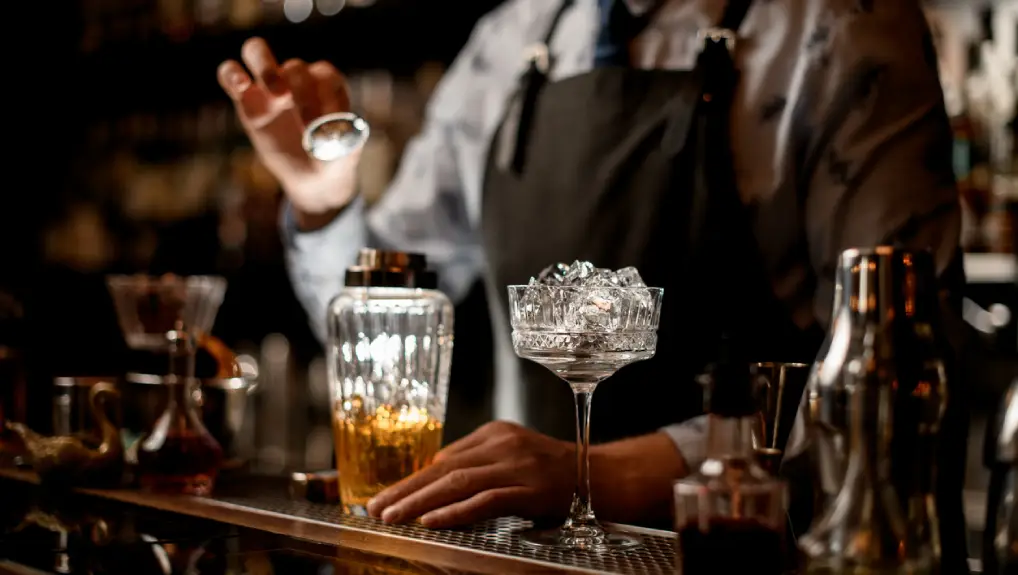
{"x": 252, "y": 526}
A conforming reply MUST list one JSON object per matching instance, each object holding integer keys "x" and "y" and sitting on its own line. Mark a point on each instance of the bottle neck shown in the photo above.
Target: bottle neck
{"x": 181, "y": 393}
{"x": 730, "y": 437}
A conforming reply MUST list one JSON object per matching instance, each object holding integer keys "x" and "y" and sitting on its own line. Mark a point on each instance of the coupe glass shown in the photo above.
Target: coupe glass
{"x": 166, "y": 313}
{"x": 583, "y": 335}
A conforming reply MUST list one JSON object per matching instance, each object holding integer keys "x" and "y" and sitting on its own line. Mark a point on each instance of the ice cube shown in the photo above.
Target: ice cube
{"x": 552, "y": 275}
{"x": 629, "y": 277}
{"x": 601, "y": 278}
{"x": 578, "y": 272}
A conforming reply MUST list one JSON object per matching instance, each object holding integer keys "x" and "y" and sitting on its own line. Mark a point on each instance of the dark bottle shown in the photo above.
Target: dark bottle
{"x": 730, "y": 514}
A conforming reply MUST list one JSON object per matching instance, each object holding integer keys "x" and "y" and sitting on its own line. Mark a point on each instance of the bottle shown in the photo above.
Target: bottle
{"x": 730, "y": 514}
{"x": 179, "y": 455}
{"x": 390, "y": 336}
{"x": 894, "y": 290}
{"x": 864, "y": 530}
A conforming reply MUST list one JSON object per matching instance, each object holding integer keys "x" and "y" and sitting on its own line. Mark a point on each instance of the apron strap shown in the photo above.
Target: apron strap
{"x": 514, "y": 134}
{"x": 718, "y": 223}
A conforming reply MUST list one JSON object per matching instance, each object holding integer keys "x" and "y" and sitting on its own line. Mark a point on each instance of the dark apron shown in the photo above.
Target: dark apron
{"x": 626, "y": 167}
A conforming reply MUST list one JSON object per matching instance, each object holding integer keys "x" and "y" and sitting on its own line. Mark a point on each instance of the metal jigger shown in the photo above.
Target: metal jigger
{"x": 779, "y": 388}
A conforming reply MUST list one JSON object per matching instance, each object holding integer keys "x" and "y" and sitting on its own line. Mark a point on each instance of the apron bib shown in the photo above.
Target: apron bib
{"x": 627, "y": 167}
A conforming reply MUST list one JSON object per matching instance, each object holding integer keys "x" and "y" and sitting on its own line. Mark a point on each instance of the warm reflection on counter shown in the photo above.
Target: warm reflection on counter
{"x": 76, "y": 534}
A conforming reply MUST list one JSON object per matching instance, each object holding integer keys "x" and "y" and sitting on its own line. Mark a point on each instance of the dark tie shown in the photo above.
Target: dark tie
{"x": 617, "y": 27}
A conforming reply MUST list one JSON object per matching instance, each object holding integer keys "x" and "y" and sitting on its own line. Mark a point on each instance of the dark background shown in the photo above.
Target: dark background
{"x": 58, "y": 90}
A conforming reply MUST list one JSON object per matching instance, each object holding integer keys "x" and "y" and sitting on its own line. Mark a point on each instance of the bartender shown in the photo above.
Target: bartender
{"x": 729, "y": 168}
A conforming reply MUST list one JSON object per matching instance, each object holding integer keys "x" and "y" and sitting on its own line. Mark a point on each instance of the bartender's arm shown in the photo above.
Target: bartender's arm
{"x": 867, "y": 142}
{"x": 324, "y": 222}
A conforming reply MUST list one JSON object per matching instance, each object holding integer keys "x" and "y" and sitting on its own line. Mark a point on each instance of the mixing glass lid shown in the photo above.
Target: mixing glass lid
{"x": 380, "y": 268}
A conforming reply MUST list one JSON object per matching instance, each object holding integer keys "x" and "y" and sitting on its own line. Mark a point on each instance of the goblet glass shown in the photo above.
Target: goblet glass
{"x": 584, "y": 334}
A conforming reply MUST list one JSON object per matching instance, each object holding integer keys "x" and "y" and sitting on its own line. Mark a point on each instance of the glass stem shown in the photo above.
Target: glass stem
{"x": 581, "y": 513}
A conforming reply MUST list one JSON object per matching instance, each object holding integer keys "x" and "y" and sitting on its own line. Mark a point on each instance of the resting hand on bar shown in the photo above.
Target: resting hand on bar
{"x": 275, "y": 103}
{"x": 504, "y": 469}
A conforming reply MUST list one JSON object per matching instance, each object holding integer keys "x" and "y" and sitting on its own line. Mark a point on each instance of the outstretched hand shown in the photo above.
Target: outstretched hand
{"x": 274, "y": 104}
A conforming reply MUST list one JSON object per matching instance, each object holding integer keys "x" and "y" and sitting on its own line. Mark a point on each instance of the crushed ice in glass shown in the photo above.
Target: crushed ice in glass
{"x": 597, "y": 304}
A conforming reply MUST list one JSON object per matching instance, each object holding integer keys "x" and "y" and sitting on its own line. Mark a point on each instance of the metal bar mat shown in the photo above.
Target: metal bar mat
{"x": 497, "y": 537}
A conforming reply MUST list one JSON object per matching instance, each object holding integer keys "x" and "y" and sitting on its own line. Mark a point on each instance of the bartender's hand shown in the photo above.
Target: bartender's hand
{"x": 274, "y": 104}
{"x": 504, "y": 469}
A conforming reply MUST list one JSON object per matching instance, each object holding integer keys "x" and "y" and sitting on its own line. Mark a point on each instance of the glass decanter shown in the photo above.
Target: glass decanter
{"x": 730, "y": 514}
{"x": 166, "y": 315}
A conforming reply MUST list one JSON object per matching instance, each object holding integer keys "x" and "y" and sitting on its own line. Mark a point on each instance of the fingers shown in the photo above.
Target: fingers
{"x": 233, "y": 79}
{"x": 457, "y": 485}
{"x": 485, "y": 505}
{"x": 259, "y": 59}
{"x": 423, "y": 478}
{"x": 333, "y": 91}
{"x": 302, "y": 86}
{"x": 250, "y": 99}
{"x": 462, "y": 445}
{"x": 479, "y": 436}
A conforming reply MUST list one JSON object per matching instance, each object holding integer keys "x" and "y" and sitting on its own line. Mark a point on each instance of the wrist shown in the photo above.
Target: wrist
{"x": 632, "y": 479}
{"x": 306, "y": 221}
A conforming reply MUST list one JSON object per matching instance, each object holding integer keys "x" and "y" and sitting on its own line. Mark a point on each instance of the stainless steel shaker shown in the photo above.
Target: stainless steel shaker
{"x": 893, "y": 292}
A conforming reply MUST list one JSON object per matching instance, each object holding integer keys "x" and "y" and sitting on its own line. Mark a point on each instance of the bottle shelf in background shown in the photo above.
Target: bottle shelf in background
{"x": 143, "y": 66}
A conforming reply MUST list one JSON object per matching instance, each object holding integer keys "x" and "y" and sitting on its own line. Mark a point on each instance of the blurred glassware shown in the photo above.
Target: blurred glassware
{"x": 171, "y": 314}
{"x": 730, "y": 512}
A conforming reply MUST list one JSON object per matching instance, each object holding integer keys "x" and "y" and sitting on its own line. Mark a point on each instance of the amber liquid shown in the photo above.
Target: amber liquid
{"x": 730, "y": 546}
{"x": 376, "y": 449}
{"x": 184, "y": 462}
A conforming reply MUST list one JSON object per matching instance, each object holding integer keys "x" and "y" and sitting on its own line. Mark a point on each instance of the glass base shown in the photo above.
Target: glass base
{"x": 580, "y": 539}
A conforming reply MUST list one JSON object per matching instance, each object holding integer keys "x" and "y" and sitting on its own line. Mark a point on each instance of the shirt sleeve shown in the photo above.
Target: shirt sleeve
{"x": 424, "y": 209}
{"x": 691, "y": 439}
{"x": 876, "y": 167}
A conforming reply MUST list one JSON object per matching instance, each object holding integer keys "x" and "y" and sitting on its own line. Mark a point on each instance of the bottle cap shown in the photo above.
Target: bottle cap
{"x": 317, "y": 487}
{"x": 380, "y": 268}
